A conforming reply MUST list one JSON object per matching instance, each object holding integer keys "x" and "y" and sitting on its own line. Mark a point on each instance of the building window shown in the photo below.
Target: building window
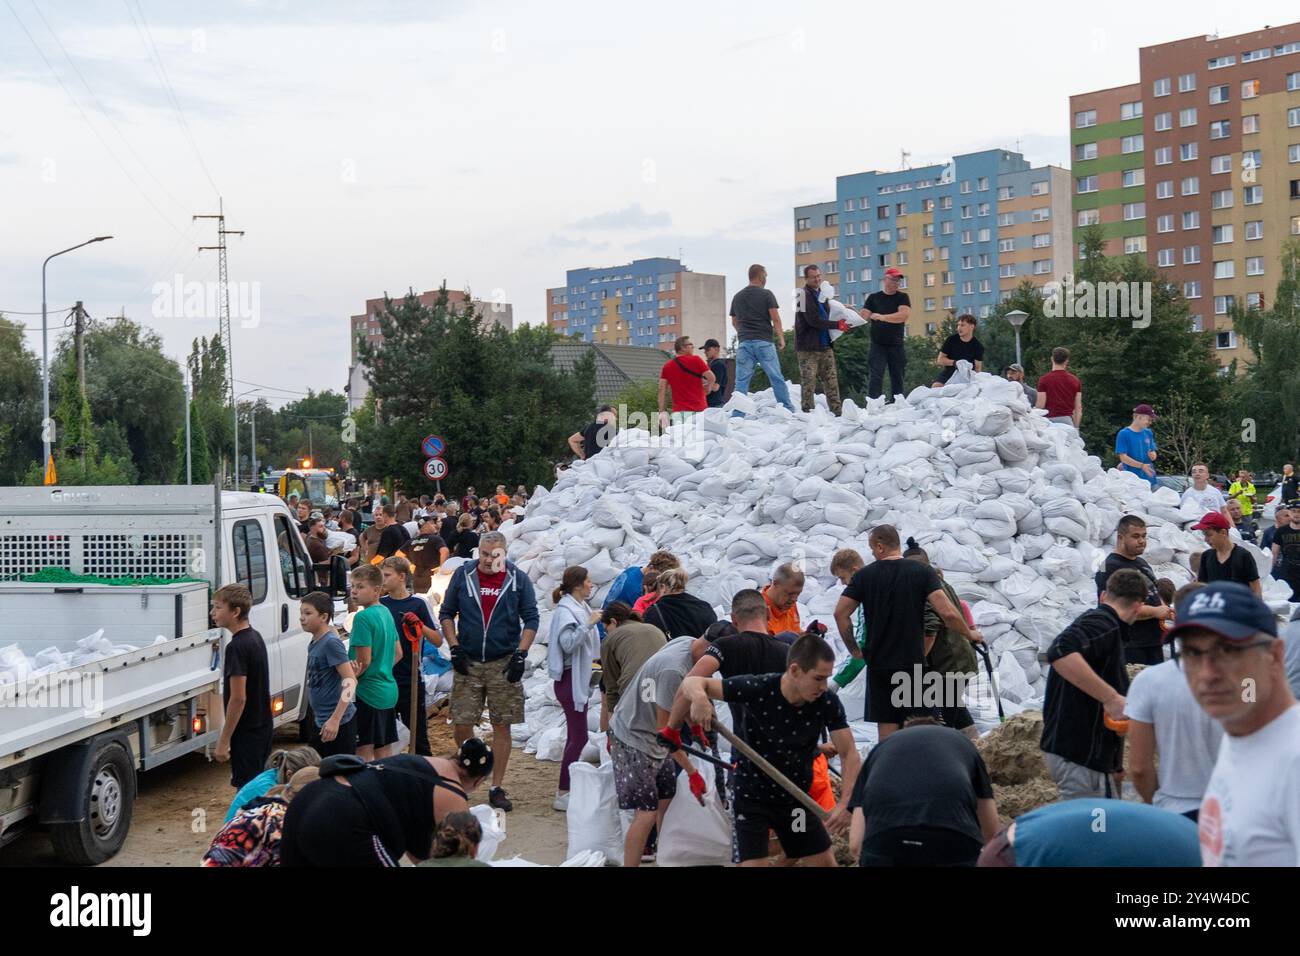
{"x": 1006, "y": 219}
{"x": 928, "y": 281}
{"x": 1165, "y": 258}
{"x": 1135, "y": 177}
{"x": 1293, "y": 117}
{"x": 1187, "y": 117}
{"x": 1295, "y": 189}
{"x": 982, "y": 209}
{"x": 1249, "y": 124}
{"x": 1089, "y": 217}
{"x": 1197, "y": 325}
{"x": 1225, "y": 269}
{"x": 1042, "y": 266}
{"x": 1191, "y": 219}
{"x": 1292, "y": 82}
{"x": 1042, "y": 240}
{"x": 1191, "y": 255}
{"x": 1223, "y": 304}
{"x": 1220, "y": 129}
{"x": 1220, "y": 164}
{"x": 1134, "y": 244}
{"x": 833, "y": 219}
{"x": 1187, "y": 83}
{"x": 1164, "y": 122}
{"x": 1131, "y": 144}
{"x": 1252, "y": 159}
{"x": 1192, "y": 290}
{"x": 1006, "y": 192}
{"x": 1161, "y": 87}
{"x": 884, "y": 235}
{"x": 803, "y": 248}
{"x": 1221, "y": 234}
{"x": 929, "y": 307}
{"x": 1218, "y": 63}
{"x": 982, "y": 184}
{"x": 1252, "y": 195}
{"x": 1249, "y": 89}
{"x": 945, "y": 228}
{"x": 1128, "y": 111}
{"x": 1225, "y": 340}
{"x": 965, "y": 212}
{"x": 1188, "y": 151}
{"x": 1293, "y": 153}
{"x": 1134, "y": 210}
{"x": 1165, "y": 189}
{"x": 1040, "y": 187}
{"x": 1254, "y": 265}
{"x": 832, "y": 243}
{"x": 1221, "y": 199}
{"x": 1191, "y": 185}
{"x": 1219, "y": 94}
{"x": 927, "y": 205}
{"x": 1164, "y": 155}
{"x": 1164, "y": 223}
{"x": 1007, "y": 271}
{"x": 1254, "y": 229}
{"x": 1042, "y": 213}
{"x": 1254, "y": 300}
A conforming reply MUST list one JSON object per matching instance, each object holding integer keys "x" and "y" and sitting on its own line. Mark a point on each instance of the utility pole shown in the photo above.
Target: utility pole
{"x": 79, "y": 319}
{"x": 189, "y": 464}
{"x": 224, "y": 317}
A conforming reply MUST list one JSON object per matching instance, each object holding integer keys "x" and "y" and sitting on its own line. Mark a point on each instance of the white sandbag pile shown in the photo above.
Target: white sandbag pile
{"x": 1010, "y": 506}
{"x": 17, "y": 666}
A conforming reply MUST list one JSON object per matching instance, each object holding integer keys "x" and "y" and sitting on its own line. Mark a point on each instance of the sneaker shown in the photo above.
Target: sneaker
{"x": 497, "y": 798}
{"x": 561, "y": 801}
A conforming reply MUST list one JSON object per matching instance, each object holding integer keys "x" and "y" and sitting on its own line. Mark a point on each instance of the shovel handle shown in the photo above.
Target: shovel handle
{"x": 780, "y": 779}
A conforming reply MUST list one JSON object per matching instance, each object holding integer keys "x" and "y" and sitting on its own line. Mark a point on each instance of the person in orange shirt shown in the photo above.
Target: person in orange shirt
{"x": 501, "y": 498}
{"x": 782, "y": 597}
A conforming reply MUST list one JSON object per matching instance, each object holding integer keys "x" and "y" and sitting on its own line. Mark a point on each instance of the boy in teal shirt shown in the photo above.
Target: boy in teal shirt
{"x": 374, "y": 648}
{"x": 844, "y": 565}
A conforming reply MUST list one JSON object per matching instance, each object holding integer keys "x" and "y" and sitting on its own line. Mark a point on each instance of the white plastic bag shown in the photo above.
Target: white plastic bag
{"x": 695, "y": 835}
{"x": 494, "y": 831}
{"x": 593, "y": 811}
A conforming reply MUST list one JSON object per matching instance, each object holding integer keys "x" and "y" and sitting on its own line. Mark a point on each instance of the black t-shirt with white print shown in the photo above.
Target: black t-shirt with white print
{"x": 786, "y": 735}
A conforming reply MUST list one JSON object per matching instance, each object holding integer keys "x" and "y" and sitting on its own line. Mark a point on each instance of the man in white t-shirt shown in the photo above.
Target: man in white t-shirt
{"x": 1229, "y": 650}
{"x": 1167, "y": 720}
{"x": 1207, "y": 497}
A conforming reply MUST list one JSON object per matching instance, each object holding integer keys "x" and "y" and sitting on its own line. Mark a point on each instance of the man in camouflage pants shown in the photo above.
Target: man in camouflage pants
{"x": 812, "y": 344}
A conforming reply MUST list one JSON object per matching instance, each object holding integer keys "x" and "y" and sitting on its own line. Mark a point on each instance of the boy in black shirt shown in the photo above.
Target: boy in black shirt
{"x": 785, "y": 715}
{"x": 1225, "y": 560}
{"x": 400, "y": 602}
{"x": 245, "y": 691}
{"x": 1286, "y": 553}
{"x": 963, "y": 345}
{"x": 427, "y": 552}
{"x": 1086, "y": 685}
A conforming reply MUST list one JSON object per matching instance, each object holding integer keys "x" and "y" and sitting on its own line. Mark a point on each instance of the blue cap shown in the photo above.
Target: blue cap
{"x": 1228, "y": 609}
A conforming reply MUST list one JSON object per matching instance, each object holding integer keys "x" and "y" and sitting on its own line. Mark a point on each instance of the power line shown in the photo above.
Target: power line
{"x": 160, "y": 68}
{"x": 103, "y": 142}
{"x": 103, "y": 111}
{"x": 273, "y": 388}
{"x": 47, "y": 311}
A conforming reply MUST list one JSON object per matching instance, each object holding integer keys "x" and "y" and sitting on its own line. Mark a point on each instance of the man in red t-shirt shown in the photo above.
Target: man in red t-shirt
{"x": 1060, "y": 392}
{"x": 690, "y": 379}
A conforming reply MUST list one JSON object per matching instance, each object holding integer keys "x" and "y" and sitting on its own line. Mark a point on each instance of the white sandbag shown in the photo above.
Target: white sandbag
{"x": 494, "y": 831}
{"x": 695, "y": 835}
{"x": 592, "y": 816}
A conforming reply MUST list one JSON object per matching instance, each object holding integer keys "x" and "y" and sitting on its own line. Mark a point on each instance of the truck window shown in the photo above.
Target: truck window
{"x": 250, "y": 557}
{"x": 293, "y": 563}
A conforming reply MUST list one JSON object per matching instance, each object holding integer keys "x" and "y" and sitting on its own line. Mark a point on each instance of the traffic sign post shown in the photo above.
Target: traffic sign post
{"x": 435, "y": 469}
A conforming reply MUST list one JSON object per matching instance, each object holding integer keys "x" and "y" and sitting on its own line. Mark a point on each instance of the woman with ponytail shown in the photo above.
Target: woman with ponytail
{"x": 573, "y": 644}
{"x": 455, "y": 843}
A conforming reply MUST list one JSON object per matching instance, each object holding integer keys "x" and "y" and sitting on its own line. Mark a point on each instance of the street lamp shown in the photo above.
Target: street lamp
{"x": 1017, "y": 318}
{"x": 45, "y": 348}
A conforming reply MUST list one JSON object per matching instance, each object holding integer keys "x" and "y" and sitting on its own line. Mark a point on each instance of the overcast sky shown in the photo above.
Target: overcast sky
{"x": 371, "y": 147}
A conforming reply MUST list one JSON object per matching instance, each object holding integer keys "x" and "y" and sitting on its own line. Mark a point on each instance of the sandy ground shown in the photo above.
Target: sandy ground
{"x": 181, "y": 805}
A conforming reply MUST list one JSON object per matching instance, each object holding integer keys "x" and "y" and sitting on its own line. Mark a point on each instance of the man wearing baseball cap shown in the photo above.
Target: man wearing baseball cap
{"x": 888, "y": 312}
{"x": 1135, "y": 445}
{"x": 1016, "y": 373}
{"x": 1225, "y": 560}
{"x": 1228, "y": 648}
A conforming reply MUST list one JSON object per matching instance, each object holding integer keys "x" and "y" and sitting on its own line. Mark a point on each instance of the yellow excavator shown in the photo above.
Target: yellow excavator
{"x": 320, "y": 485}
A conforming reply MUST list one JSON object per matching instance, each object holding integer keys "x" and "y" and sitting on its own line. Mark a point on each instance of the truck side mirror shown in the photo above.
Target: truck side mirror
{"x": 338, "y": 576}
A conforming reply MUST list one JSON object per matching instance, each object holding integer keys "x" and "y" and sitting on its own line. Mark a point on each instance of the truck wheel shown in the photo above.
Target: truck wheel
{"x": 109, "y": 795}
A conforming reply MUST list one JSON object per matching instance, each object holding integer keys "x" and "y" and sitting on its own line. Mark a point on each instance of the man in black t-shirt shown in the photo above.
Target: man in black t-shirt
{"x": 1286, "y": 553}
{"x": 893, "y": 593}
{"x": 923, "y": 798}
{"x": 717, "y": 396}
{"x": 1144, "y": 642}
{"x": 888, "y": 312}
{"x": 963, "y": 345}
{"x": 593, "y": 438}
{"x": 1225, "y": 560}
{"x": 1086, "y": 684}
{"x": 393, "y": 535}
{"x": 426, "y": 551}
{"x": 245, "y": 688}
{"x": 785, "y": 715}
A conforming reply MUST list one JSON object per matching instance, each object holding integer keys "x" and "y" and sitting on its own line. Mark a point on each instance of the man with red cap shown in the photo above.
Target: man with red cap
{"x": 1226, "y": 642}
{"x": 888, "y": 312}
{"x": 1225, "y": 560}
{"x": 1135, "y": 445}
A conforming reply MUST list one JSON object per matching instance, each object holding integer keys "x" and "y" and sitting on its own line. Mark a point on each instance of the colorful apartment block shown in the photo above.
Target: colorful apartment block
{"x": 648, "y": 302}
{"x": 1197, "y": 167}
{"x": 965, "y": 233}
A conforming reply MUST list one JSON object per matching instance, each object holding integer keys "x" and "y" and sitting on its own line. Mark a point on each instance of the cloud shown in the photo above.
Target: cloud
{"x": 629, "y": 217}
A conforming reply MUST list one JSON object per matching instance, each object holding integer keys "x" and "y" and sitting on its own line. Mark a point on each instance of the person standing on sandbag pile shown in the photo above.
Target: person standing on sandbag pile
{"x": 812, "y": 344}
{"x": 1144, "y": 640}
{"x": 645, "y": 772}
{"x": 782, "y": 599}
{"x": 893, "y": 594}
{"x": 1060, "y": 392}
{"x": 678, "y": 613}
{"x": 962, "y": 345}
{"x": 573, "y": 644}
{"x": 718, "y": 366}
{"x": 844, "y": 564}
{"x": 1201, "y": 493}
{"x": 1227, "y": 644}
{"x": 1085, "y": 686}
{"x": 1016, "y": 373}
{"x": 690, "y": 378}
{"x": 1135, "y": 445}
{"x": 888, "y": 312}
{"x": 756, "y": 317}
{"x": 785, "y": 717}
{"x": 923, "y": 798}
{"x": 1225, "y": 560}
{"x": 596, "y": 436}
{"x": 489, "y": 618}
{"x": 949, "y": 655}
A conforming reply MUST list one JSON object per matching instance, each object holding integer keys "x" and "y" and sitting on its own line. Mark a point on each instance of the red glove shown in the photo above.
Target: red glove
{"x": 671, "y": 736}
{"x": 609, "y": 743}
{"x": 701, "y": 738}
{"x": 698, "y": 787}
{"x": 413, "y": 627}
{"x": 843, "y": 326}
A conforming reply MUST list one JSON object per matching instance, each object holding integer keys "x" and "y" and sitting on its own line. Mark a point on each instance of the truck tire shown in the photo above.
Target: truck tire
{"x": 108, "y": 792}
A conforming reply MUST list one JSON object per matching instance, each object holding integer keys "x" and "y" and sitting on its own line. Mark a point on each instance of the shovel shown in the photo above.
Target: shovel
{"x": 416, "y": 637}
{"x": 780, "y": 779}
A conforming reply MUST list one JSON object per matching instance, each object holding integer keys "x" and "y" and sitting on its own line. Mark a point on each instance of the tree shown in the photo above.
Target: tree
{"x": 200, "y": 464}
{"x": 503, "y": 409}
{"x": 208, "y": 390}
{"x": 637, "y": 397}
{"x": 309, "y": 427}
{"x": 20, "y": 405}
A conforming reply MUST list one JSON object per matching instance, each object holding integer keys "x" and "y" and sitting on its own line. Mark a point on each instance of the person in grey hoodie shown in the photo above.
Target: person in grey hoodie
{"x": 489, "y": 618}
{"x": 573, "y": 644}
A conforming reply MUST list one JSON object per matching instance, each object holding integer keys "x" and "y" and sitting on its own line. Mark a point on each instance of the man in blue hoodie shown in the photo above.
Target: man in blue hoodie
{"x": 489, "y": 618}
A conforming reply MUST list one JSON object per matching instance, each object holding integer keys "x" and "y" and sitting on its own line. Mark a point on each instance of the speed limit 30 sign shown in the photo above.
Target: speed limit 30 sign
{"x": 435, "y": 469}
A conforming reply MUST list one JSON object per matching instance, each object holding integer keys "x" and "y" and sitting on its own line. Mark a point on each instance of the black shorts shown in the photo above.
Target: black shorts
{"x": 344, "y": 743}
{"x": 800, "y": 832}
{"x": 327, "y": 825}
{"x": 1144, "y": 655}
{"x": 375, "y": 728}
{"x": 880, "y": 690}
{"x": 920, "y": 846}
{"x": 249, "y": 752}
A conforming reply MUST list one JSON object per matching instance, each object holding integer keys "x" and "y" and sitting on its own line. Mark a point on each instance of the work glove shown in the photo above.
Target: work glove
{"x": 460, "y": 660}
{"x": 671, "y": 738}
{"x": 701, "y": 738}
{"x": 698, "y": 787}
{"x": 413, "y": 626}
{"x": 842, "y": 325}
{"x": 515, "y": 667}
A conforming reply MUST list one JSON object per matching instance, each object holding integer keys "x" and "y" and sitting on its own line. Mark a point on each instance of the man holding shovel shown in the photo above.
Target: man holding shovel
{"x": 784, "y": 717}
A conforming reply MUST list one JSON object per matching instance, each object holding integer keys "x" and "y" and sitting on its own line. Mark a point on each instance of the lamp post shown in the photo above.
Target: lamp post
{"x": 45, "y": 346}
{"x": 1017, "y": 318}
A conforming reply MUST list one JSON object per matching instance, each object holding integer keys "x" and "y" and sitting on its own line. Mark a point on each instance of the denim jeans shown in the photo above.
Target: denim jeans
{"x": 763, "y": 354}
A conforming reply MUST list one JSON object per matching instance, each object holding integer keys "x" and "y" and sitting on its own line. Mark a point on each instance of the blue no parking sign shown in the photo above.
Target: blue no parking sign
{"x": 433, "y": 446}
